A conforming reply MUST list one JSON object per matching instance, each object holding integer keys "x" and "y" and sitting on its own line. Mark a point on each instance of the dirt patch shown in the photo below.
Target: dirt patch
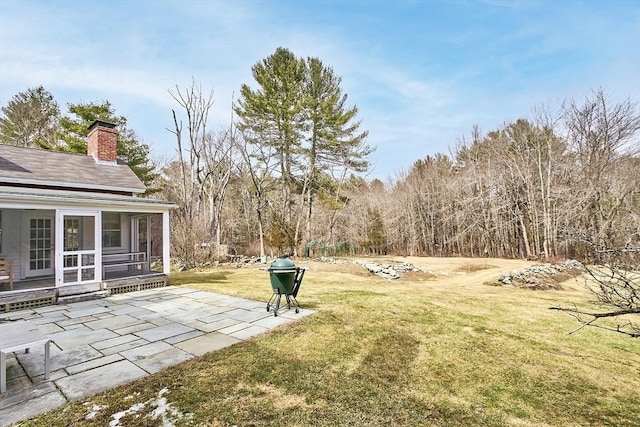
{"x": 269, "y": 393}
{"x": 283, "y": 400}
{"x": 346, "y": 268}
{"x": 418, "y": 276}
{"x": 471, "y": 268}
{"x": 449, "y": 265}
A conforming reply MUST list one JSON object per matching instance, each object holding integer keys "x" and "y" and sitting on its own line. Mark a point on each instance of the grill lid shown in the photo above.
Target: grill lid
{"x": 282, "y": 264}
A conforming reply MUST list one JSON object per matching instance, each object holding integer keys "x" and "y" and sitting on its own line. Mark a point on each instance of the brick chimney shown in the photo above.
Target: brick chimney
{"x": 102, "y": 141}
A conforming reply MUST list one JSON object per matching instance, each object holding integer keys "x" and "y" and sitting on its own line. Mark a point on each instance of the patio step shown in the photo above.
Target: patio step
{"x": 26, "y": 299}
{"x": 83, "y": 297}
{"x": 40, "y": 297}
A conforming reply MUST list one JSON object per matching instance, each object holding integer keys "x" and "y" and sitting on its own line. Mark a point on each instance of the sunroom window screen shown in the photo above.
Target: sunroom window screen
{"x": 111, "y": 230}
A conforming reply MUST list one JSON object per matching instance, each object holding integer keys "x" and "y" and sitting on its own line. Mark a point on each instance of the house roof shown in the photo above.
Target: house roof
{"x": 38, "y": 198}
{"x": 34, "y": 167}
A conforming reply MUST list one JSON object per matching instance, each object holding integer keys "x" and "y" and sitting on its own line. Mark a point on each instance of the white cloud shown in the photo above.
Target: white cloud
{"x": 417, "y": 90}
{"x": 89, "y": 78}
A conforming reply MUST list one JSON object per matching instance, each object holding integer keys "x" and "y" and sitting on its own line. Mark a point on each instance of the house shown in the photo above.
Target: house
{"x": 74, "y": 225}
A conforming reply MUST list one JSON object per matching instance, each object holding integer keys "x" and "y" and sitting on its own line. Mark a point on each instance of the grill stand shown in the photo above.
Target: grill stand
{"x": 275, "y": 301}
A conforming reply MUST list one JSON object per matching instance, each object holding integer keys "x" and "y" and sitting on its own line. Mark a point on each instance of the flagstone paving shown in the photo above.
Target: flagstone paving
{"x": 100, "y": 344}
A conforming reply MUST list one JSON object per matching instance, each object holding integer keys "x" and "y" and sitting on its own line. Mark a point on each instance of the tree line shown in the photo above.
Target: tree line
{"x": 546, "y": 187}
{"x": 538, "y": 188}
{"x": 286, "y": 175}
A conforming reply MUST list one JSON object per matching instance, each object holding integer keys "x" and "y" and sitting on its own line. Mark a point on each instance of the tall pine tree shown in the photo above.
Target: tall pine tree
{"x": 334, "y": 136}
{"x": 273, "y": 114}
{"x": 74, "y": 130}
{"x": 30, "y": 119}
{"x": 299, "y": 109}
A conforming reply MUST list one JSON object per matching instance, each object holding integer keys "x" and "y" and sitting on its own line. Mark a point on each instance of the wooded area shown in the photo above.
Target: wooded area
{"x": 287, "y": 174}
{"x": 541, "y": 188}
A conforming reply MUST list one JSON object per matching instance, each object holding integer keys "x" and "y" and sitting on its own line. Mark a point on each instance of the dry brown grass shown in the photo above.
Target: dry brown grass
{"x": 445, "y": 351}
{"x": 472, "y": 268}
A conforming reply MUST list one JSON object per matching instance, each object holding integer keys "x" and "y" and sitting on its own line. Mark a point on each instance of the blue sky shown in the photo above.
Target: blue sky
{"x": 422, "y": 73}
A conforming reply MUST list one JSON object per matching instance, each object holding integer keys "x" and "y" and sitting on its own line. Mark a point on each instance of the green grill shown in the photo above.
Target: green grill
{"x": 285, "y": 279}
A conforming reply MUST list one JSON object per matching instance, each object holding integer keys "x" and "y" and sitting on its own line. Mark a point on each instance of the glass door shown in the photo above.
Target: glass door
{"x": 39, "y": 244}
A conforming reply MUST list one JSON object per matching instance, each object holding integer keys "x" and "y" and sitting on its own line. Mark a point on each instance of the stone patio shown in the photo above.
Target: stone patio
{"x": 100, "y": 344}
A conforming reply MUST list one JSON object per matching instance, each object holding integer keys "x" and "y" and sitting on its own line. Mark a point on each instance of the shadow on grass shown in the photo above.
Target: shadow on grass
{"x": 198, "y": 277}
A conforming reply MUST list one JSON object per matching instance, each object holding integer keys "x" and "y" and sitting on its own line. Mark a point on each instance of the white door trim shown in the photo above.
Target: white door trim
{"x": 27, "y": 216}
{"x": 96, "y": 252}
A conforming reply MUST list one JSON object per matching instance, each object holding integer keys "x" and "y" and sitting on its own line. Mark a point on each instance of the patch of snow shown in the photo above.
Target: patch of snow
{"x": 94, "y": 411}
{"x": 162, "y": 409}
{"x": 132, "y": 410}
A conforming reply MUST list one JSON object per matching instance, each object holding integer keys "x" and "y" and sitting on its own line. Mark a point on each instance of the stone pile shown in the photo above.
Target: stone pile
{"x": 405, "y": 267}
{"x": 235, "y": 260}
{"x": 532, "y": 275}
{"x": 388, "y": 271}
{"x": 334, "y": 260}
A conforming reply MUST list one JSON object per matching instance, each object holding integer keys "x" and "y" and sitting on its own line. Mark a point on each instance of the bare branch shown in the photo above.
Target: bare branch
{"x": 615, "y": 283}
{"x": 628, "y": 328}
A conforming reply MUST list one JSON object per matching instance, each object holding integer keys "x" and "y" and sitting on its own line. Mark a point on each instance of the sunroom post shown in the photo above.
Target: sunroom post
{"x": 58, "y": 248}
{"x": 97, "y": 228}
{"x": 166, "y": 268}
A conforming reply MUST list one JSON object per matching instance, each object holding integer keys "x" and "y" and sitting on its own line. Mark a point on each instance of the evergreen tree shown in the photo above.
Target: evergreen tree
{"x": 273, "y": 113}
{"x": 74, "y": 130}
{"x": 335, "y": 136}
{"x": 30, "y": 119}
{"x": 299, "y": 110}
{"x": 335, "y": 139}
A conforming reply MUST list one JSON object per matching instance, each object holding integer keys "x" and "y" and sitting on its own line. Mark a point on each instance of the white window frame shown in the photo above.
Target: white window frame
{"x": 121, "y": 217}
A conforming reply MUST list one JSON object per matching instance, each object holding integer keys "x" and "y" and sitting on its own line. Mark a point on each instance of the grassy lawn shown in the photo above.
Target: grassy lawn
{"x": 438, "y": 348}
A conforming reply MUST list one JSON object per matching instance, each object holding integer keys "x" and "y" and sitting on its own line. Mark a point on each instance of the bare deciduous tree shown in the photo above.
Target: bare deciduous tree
{"x": 601, "y": 133}
{"x": 205, "y": 164}
{"x": 256, "y": 172}
{"x": 615, "y": 283}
